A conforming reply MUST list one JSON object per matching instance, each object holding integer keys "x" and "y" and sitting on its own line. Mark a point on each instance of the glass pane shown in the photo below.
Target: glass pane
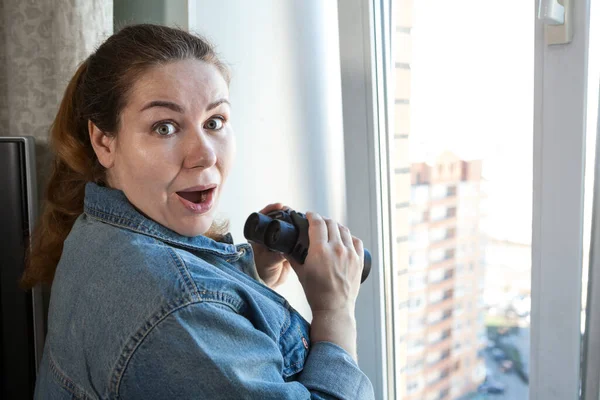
{"x": 462, "y": 166}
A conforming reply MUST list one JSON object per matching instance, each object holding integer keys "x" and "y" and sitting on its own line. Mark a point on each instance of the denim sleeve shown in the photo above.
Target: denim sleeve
{"x": 207, "y": 350}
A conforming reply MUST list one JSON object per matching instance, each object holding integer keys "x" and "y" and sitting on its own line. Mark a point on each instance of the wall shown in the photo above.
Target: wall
{"x": 38, "y": 55}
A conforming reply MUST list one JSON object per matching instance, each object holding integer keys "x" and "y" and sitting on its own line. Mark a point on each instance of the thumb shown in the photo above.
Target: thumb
{"x": 272, "y": 207}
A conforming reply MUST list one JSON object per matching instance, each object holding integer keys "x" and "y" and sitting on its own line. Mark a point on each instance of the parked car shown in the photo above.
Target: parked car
{"x": 498, "y": 354}
{"x": 492, "y": 386}
{"x": 506, "y": 366}
{"x": 490, "y": 344}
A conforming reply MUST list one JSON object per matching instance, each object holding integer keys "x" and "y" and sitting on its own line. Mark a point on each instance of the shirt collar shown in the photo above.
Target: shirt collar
{"x": 112, "y": 207}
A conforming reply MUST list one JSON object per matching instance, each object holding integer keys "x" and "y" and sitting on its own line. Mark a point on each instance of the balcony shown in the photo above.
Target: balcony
{"x": 448, "y": 294}
{"x": 440, "y": 345}
{"x": 447, "y": 301}
{"x": 451, "y": 192}
{"x": 448, "y": 255}
{"x": 441, "y": 387}
{"x": 446, "y": 316}
{"x": 446, "y": 235}
{"x": 444, "y": 356}
{"x": 447, "y": 334}
{"x": 449, "y": 274}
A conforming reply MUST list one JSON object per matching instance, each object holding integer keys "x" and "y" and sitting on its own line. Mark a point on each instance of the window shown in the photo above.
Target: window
{"x": 418, "y": 260}
{"x": 419, "y": 194}
{"x": 444, "y": 393}
{"x": 413, "y": 387}
{"x": 454, "y": 189}
{"x": 418, "y": 216}
{"x": 436, "y": 297}
{"x": 451, "y": 212}
{"x": 437, "y": 255}
{"x": 491, "y": 172}
{"x": 438, "y": 234}
{"x": 419, "y": 239}
{"x": 440, "y": 275}
{"x": 415, "y": 346}
{"x": 416, "y": 303}
{"x": 417, "y": 281}
{"x": 416, "y": 324}
{"x": 438, "y": 213}
{"x": 451, "y": 191}
{"x": 436, "y": 275}
{"x": 439, "y": 191}
{"x": 431, "y": 359}
{"x": 415, "y": 366}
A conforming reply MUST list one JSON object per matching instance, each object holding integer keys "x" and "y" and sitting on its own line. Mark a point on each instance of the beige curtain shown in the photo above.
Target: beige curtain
{"x": 41, "y": 44}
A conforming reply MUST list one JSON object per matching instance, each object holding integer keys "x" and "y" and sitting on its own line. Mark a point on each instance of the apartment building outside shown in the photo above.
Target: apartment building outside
{"x": 445, "y": 280}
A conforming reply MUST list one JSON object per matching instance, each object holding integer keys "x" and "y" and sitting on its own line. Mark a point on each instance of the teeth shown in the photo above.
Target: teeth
{"x": 203, "y": 196}
{"x": 195, "y": 197}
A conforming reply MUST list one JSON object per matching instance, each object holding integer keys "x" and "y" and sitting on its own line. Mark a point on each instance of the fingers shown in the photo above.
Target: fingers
{"x": 273, "y": 207}
{"x": 359, "y": 247}
{"x": 346, "y": 236}
{"x": 333, "y": 231}
{"x": 317, "y": 228}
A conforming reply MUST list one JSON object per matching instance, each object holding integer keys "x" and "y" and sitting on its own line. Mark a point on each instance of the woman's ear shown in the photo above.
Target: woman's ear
{"x": 103, "y": 144}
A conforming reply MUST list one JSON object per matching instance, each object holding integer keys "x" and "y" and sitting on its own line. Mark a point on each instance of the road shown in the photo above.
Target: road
{"x": 516, "y": 389}
{"x": 521, "y": 342}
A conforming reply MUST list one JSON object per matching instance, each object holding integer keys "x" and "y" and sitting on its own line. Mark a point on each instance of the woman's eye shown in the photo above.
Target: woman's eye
{"x": 214, "y": 124}
{"x": 165, "y": 129}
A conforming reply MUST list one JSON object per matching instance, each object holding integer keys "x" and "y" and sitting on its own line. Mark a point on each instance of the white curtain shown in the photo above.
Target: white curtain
{"x": 41, "y": 44}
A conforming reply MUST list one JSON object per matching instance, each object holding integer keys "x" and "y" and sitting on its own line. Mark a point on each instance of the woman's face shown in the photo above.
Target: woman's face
{"x": 175, "y": 145}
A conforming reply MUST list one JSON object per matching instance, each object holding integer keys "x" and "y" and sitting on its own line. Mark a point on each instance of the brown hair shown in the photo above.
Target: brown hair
{"x": 98, "y": 92}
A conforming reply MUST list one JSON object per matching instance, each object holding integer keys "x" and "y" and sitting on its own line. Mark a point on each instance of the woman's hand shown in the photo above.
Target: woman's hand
{"x": 330, "y": 277}
{"x": 332, "y": 270}
{"x": 272, "y": 267}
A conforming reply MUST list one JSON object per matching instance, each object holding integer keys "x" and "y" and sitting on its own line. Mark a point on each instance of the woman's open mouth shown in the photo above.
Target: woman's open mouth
{"x": 199, "y": 201}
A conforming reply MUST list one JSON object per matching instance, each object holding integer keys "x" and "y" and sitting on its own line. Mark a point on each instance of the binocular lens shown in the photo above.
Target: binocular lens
{"x": 274, "y": 235}
{"x": 281, "y": 236}
{"x": 255, "y": 227}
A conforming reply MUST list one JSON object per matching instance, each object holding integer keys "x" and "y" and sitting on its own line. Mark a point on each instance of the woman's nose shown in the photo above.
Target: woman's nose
{"x": 201, "y": 151}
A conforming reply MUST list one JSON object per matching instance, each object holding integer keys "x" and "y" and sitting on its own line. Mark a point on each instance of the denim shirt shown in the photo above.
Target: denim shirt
{"x": 138, "y": 311}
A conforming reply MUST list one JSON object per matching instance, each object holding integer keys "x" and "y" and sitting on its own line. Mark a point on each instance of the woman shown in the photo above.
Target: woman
{"x": 150, "y": 298}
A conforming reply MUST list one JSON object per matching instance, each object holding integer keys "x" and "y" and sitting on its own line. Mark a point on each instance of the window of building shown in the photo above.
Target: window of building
{"x": 438, "y": 213}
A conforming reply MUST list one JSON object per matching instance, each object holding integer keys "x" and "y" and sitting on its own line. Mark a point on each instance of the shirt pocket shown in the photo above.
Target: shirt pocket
{"x": 294, "y": 343}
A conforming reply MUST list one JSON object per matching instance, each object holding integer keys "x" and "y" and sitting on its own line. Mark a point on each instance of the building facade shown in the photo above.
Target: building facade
{"x": 445, "y": 329}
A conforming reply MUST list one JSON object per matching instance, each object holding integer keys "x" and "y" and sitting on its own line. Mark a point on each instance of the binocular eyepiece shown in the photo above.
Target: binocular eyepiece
{"x": 287, "y": 232}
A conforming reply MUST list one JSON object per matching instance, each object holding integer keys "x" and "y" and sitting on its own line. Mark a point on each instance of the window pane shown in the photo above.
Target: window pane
{"x": 590, "y": 158}
{"x": 461, "y": 161}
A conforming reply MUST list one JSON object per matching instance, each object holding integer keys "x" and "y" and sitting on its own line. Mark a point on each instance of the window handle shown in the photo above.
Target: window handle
{"x": 551, "y": 12}
{"x": 556, "y": 15}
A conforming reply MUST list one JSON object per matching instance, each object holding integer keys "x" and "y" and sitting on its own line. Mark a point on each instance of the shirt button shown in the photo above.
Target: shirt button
{"x": 305, "y": 343}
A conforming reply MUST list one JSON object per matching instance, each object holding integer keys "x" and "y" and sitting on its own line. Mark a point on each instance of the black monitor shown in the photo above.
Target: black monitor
{"x": 22, "y": 313}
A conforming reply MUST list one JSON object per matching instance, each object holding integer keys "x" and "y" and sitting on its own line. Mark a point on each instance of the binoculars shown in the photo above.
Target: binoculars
{"x": 287, "y": 232}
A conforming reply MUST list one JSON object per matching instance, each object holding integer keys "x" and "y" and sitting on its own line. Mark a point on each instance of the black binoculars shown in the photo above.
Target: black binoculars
{"x": 287, "y": 232}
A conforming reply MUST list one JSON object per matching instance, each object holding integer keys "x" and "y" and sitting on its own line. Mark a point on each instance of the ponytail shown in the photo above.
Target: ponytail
{"x": 72, "y": 167}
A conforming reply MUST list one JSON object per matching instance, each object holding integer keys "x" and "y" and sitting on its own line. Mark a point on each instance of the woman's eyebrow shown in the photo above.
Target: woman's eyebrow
{"x": 166, "y": 104}
{"x": 177, "y": 108}
{"x": 217, "y": 103}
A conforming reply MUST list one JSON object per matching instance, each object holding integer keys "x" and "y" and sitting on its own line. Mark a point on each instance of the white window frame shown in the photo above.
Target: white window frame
{"x": 558, "y": 194}
{"x": 558, "y": 183}
{"x": 367, "y": 209}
